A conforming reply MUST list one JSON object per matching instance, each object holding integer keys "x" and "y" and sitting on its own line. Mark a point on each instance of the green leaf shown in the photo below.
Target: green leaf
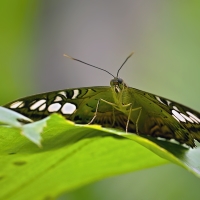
{"x": 75, "y": 155}
{"x": 71, "y": 157}
{"x": 184, "y": 156}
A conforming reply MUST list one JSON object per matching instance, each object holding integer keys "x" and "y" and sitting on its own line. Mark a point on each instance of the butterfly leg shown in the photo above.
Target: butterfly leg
{"x": 95, "y": 114}
{"x": 136, "y": 123}
{"x": 129, "y": 115}
{"x": 113, "y": 116}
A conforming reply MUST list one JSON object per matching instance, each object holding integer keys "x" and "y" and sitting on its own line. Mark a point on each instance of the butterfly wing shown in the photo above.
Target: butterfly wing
{"x": 78, "y": 105}
{"x": 71, "y": 103}
{"x": 161, "y": 117}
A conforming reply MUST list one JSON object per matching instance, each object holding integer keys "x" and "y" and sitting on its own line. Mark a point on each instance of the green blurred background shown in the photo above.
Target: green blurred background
{"x": 165, "y": 36}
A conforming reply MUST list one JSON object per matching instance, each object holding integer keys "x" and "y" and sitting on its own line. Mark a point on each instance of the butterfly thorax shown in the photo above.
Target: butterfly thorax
{"x": 119, "y": 89}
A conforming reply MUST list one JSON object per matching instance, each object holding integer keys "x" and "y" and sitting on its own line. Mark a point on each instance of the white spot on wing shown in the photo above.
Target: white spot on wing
{"x": 37, "y": 104}
{"x": 178, "y": 116}
{"x": 168, "y": 102}
{"x": 68, "y": 108}
{"x": 187, "y": 118}
{"x": 54, "y": 107}
{"x": 21, "y": 105}
{"x": 158, "y": 98}
{"x": 63, "y": 93}
{"x": 76, "y": 93}
{"x": 175, "y": 108}
{"x": 193, "y": 116}
{"x": 57, "y": 99}
{"x": 193, "y": 119}
{"x": 41, "y": 108}
{"x": 17, "y": 104}
{"x": 175, "y": 118}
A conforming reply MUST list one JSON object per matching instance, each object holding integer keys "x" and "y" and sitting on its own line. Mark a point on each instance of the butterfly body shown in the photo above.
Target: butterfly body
{"x": 117, "y": 106}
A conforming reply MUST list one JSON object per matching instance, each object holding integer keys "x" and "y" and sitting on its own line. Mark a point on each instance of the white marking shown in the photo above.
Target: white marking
{"x": 178, "y": 116}
{"x": 193, "y": 116}
{"x": 22, "y": 105}
{"x": 168, "y": 102}
{"x": 175, "y": 118}
{"x": 37, "y": 104}
{"x": 41, "y": 108}
{"x": 76, "y": 93}
{"x": 17, "y": 104}
{"x": 175, "y": 108}
{"x": 193, "y": 119}
{"x": 187, "y": 118}
{"x": 54, "y": 107}
{"x": 63, "y": 93}
{"x": 68, "y": 108}
{"x": 158, "y": 98}
{"x": 58, "y": 99}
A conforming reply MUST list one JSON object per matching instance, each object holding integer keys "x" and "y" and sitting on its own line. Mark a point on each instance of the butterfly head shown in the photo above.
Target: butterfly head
{"x": 117, "y": 84}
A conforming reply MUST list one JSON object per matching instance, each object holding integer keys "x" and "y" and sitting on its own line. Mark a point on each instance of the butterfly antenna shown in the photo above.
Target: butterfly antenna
{"x": 124, "y": 63}
{"x": 87, "y": 64}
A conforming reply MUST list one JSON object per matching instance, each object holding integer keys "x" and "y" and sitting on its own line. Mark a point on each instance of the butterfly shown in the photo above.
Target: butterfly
{"x": 117, "y": 106}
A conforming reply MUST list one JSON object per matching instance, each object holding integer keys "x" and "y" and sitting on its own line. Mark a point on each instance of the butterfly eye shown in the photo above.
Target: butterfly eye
{"x": 116, "y": 81}
{"x": 120, "y": 81}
